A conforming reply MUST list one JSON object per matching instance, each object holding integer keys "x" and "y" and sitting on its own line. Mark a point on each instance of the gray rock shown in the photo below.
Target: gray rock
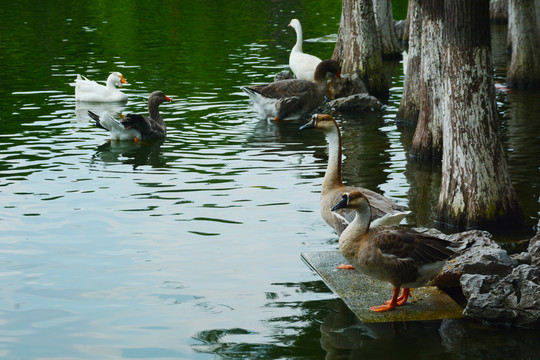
{"x": 346, "y": 86}
{"x": 522, "y": 258}
{"x": 354, "y": 103}
{"x": 534, "y": 249}
{"x": 480, "y": 255}
{"x": 510, "y": 299}
{"x": 283, "y": 75}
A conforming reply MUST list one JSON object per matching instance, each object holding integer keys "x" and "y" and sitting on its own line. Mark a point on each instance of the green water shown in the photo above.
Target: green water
{"x": 190, "y": 249}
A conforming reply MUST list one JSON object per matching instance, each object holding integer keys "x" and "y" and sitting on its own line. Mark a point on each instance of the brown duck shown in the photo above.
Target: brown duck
{"x": 136, "y": 127}
{"x": 384, "y": 211}
{"x": 292, "y": 99}
{"x": 401, "y": 256}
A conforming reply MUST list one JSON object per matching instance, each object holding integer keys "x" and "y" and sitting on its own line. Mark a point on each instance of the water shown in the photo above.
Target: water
{"x": 190, "y": 248}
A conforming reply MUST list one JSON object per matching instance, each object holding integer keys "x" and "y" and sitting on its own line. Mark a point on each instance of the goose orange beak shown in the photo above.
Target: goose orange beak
{"x": 123, "y": 80}
{"x": 167, "y": 98}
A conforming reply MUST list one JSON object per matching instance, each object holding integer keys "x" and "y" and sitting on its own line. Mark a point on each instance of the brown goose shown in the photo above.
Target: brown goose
{"x": 384, "y": 211}
{"x": 401, "y": 256}
{"x": 136, "y": 127}
{"x": 292, "y": 99}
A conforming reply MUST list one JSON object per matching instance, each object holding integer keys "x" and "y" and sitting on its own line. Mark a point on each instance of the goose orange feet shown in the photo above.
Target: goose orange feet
{"x": 345, "y": 267}
{"x": 389, "y": 305}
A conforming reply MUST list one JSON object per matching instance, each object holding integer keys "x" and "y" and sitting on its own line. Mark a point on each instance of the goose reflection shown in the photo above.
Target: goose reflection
{"x": 128, "y": 152}
{"x": 81, "y": 109}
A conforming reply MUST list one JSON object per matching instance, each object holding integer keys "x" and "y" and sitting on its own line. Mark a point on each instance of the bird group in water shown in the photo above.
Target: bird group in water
{"x": 366, "y": 222}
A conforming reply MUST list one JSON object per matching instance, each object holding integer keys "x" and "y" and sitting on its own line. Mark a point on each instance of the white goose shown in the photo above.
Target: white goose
{"x": 91, "y": 91}
{"x": 302, "y": 65}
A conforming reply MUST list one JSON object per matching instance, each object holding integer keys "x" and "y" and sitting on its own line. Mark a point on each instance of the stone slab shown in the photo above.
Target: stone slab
{"x": 359, "y": 292}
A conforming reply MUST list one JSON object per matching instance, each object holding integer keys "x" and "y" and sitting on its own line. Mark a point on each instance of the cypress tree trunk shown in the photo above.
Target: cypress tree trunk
{"x": 410, "y": 99}
{"x": 498, "y": 11}
{"x": 475, "y": 189}
{"x": 358, "y": 47}
{"x": 427, "y": 141}
{"x": 524, "y": 40}
{"x": 390, "y": 48}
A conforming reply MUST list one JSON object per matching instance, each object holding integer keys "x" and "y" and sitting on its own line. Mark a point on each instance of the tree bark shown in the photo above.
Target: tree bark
{"x": 427, "y": 141}
{"x": 358, "y": 48}
{"x": 476, "y": 190}
{"x": 410, "y": 99}
{"x": 524, "y": 40}
{"x": 390, "y": 48}
{"x": 498, "y": 11}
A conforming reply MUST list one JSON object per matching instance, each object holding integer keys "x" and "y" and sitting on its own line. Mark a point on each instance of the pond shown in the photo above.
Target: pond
{"x": 190, "y": 248}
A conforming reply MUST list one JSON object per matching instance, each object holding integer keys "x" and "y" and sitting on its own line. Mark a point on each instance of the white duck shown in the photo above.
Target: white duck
{"x": 91, "y": 91}
{"x": 302, "y": 65}
{"x": 135, "y": 127}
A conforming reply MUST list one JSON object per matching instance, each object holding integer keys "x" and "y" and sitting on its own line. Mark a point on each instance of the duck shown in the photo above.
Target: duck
{"x": 91, "y": 91}
{"x": 401, "y": 256}
{"x": 136, "y": 127}
{"x": 302, "y": 65}
{"x": 292, "y": 99}
{"x": 384, "y": 211}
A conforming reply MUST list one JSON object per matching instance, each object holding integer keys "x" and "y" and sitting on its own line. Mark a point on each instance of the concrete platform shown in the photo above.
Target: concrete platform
{"x": 359, "y": 292}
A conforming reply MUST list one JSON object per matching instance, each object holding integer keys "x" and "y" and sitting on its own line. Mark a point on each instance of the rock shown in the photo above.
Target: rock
{"x": 283, "y": 75}
{"x": 522, "y": 258}
{"x": 480, "y": 255}
{"x": 534, "y": 249}
{"x": 354, "y": 103}
{"x": 346, "y": 86}
{"x": 510, "y": 299}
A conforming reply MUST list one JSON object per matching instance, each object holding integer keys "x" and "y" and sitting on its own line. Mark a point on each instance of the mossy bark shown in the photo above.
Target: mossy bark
{"x": 409, "y": 107}
{"x": 427, "y": 141}
{"x": 524, "y": 41}
{"x": 358, "y": 49}
{"x": 476, "y": 190}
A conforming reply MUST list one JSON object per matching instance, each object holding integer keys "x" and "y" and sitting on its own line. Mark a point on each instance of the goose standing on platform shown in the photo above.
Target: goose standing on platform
{"x": 292, "y": 99}
{"x": 136, "y": 127}
{"x": 302, "y": 65}
{"x": 384, "y": 211}
{"x": 91, "y": 91}
{"x": 401, "y": 256}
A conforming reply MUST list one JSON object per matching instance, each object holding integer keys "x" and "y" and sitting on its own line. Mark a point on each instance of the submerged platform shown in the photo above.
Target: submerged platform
{"x": 359, "y": 292}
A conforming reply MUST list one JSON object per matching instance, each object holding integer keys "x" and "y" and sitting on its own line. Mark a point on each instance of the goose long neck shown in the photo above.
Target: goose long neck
{"x": 332, "y": 177}
{"x": 298, "y": 46}
{"x": 153, "y": 111}
{"x": 111, "y": 83}
{"x": 354, "y": 233}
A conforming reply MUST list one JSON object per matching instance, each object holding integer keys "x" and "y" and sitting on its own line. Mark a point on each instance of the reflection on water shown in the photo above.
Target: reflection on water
{"x": 343, "y": 336}
{"x": 189, "y": 248}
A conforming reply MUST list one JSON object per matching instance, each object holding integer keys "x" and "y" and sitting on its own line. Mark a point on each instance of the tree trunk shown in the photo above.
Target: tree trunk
{"x": 498, "y": 11}
{"x": 358, "y": 47}
{"x": 475, "y": 189}
{"x": 427, "y": 141}
{"x": 410, "y": 99}
{"x": 524, "y": 39}
{"x": 390, "y": 48}
{"x": 410, "y": 8}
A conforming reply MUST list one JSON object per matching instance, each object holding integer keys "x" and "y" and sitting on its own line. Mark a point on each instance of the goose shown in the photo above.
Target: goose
{"x": 384, "y": 211}
{"x": 401, "y": 256}
{"x": 302, "y": 65}
{"x": 292, "y": 99}
{"x": 91, "y": 91}
{"x": 136, "y": 127}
